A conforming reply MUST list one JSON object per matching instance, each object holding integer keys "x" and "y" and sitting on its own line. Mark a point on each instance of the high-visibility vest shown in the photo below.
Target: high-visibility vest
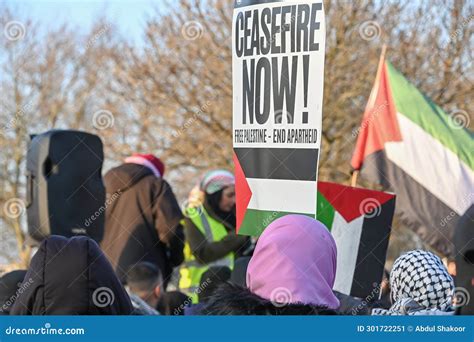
{"x": 191, "y": 270}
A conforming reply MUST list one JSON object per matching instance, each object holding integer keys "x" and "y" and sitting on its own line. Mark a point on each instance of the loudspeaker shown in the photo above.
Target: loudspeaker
{"x": 65, "y": 191}
{"x": 464, "y": 246}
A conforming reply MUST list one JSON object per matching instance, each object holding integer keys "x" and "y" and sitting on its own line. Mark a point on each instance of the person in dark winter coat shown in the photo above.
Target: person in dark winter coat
{"x": 71, "y": 277}
{"x": 142, "y": 217}
{"x": 10, "y": 289}
{"x": 291, "y": 272}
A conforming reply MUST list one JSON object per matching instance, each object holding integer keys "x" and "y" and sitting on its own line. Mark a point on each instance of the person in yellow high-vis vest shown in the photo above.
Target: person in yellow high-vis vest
{"x": 210, "y": 231}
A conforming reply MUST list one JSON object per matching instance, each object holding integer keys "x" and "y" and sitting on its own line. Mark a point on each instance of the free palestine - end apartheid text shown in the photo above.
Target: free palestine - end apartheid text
{"x": 289, "y": 135}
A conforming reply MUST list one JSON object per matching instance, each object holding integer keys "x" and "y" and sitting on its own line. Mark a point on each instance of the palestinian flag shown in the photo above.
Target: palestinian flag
{"x": 273, "y": 182}
{"x": 360, "y": 221}
{"x": 410, "y": 146}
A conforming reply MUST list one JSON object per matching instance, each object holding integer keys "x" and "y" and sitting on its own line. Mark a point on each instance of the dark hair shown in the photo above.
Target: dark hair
{"x": 211, "y": 280}
{"x": 143, "y": 276}
{"x": 229, "y": 299}
{"x": 213, "y": 201}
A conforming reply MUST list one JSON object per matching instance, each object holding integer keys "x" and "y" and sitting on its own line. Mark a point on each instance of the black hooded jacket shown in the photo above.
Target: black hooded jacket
{"x": 9, "y": 289}
{"x": 231, "y": 299}
{"x": 142, "y": 221}
{"x": 71, "y": 277}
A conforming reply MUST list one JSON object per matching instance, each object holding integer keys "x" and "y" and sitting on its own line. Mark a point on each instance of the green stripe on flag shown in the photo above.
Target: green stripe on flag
{"x": 421, "y": 110}
{"x": 256, "y": 221}
{"x": 325, "y": 212}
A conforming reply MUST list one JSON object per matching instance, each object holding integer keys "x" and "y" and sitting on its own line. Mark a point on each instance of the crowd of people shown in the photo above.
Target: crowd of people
{"x": 157, "y": 258}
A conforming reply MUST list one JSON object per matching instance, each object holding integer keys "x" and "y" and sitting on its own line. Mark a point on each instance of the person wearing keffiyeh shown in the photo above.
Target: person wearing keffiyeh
{"x": 421, "y": 285}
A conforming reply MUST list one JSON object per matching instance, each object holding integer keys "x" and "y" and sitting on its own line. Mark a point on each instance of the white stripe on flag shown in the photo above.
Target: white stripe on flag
{"x": 283, "y": 195}
{"x": 347, "y": 237}
{"x": 432, "y": 165}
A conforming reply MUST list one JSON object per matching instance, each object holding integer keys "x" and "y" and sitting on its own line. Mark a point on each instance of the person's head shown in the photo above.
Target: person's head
{"x": 385, "y": 285}
{"x": 421, "y": 277}
{"x": 150, "y": 161}
{"x": 294, "y": 262}
{"x": 173, "y": 303}
{"x": 145, "y": 280}
{"x": 71, "y": 277}
{"x": 211, "y": 280}
{"x": 10, "y": 288}
{"x": 219, "y": 189}
{"x": 452, "y": 267}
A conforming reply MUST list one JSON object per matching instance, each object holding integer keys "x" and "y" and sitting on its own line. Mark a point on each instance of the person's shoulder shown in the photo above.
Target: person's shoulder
{"x": 230, "y": 299}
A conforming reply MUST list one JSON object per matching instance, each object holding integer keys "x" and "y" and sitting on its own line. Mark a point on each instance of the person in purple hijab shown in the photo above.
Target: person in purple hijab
{"x": 291, "y": 272}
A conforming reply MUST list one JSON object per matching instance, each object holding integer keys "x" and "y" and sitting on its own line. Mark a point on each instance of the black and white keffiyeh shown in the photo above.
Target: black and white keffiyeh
{"x": 420, "y": 285}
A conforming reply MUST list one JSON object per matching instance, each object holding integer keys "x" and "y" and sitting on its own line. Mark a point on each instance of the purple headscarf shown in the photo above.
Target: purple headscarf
{"x": 294, "y": 262}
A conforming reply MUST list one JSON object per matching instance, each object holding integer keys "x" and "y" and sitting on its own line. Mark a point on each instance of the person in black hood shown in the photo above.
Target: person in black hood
{"x": 10, "y": 289}
{"x": 71, "y": 277}
{"x": 142, "y": 221}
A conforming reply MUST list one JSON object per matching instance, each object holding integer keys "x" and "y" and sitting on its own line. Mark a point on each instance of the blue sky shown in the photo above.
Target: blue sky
{"x": 129, "y": 15}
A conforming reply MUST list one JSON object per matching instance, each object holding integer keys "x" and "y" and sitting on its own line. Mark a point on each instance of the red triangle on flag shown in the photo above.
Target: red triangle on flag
{"x": 242, "y": 192}
{"x": 379, "y": 123}
{"x": 352, "y": 202}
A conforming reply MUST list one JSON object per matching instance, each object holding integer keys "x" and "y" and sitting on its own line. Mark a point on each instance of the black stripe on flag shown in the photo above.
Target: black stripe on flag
{"x": 372, "y": 250}
{"x": 245, "y": 3}
{"x": 279, "y": 163}
{"x": 419, "y": 209}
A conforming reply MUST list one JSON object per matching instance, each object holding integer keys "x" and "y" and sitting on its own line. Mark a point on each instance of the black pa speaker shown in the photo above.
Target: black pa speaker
{"x": 65, "y": 192}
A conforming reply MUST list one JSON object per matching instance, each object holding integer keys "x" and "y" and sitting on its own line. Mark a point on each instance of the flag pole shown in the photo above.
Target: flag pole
{"x": 354, "y": 176}
{"x": 355, "y": 173}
